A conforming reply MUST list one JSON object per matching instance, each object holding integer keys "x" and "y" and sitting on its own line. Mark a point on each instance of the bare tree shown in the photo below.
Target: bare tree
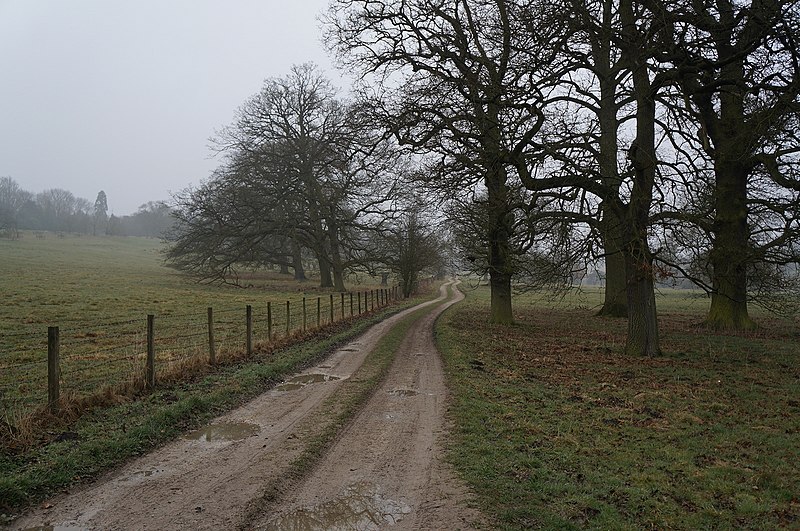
{"x": 304, "y": 170}
{"x": 454, "y": 81}
{"x": 100, "y": 212}
{"x": 738, "y": 68}
{"x": 12, "y": 201}
{"x": 408, "y": 246}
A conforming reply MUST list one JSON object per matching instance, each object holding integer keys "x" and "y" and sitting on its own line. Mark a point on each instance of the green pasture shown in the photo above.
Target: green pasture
{"x": 555, "y": 428}
{"x": 99, "y": 290}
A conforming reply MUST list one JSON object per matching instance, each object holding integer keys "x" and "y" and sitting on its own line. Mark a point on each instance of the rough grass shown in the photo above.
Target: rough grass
{"x": 558, "y": 429}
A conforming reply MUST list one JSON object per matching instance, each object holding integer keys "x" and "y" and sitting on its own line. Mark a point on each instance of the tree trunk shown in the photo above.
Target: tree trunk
{"x": 729, "y": 254}
{"x": 642, "y": 337}
{"x": 615, "y": 302}
{"x": 336, "y": 257}
{"x": 409, "y": 283}
{"x": 325, "y": 279}
{"x": 501, "y": 311}
{"x": 642, "y": 319}
{"x": 501, "y": 266}
{"x": 297, "y": 263}
{"x": 284, "y": 268}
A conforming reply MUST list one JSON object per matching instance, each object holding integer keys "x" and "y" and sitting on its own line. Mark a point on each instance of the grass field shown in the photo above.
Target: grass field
{"x": 99, "y": 290}
{"x": 557, "y": 429}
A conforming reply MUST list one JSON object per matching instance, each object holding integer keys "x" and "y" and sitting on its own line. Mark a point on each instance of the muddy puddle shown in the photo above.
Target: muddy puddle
{"x": 359, "y": 507}
{"x": 143, "y": 475}
{"x": 61, "y": 527}
{"x": 403, "y": 392}
{"x": 224, "y": 431}
{"x": 302, "y": 380}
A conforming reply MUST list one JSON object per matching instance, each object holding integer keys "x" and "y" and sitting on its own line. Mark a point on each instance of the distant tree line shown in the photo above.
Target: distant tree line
{"x": 58, "y": 210}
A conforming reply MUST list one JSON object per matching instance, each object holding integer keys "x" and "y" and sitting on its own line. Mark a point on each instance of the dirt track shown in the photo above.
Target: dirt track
{"x": 385, "y": 469}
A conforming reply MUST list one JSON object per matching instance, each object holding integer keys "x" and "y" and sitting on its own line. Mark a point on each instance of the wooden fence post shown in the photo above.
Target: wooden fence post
{"x": 331, "y": 307}
{"x": 269, "y": 321}
{"x": 304, "y": 314}
{"x": 359, "y": 303}
{"x": 351, "y": 304}
{"x": 372, "y": 296}
{"x": 288, "y": 319}
{"x": 249, "y": 325}
{"x": 150, "y": 367}
{"x": 212, "y": 349}
{"x": 342, "y": 306}
{"x": 53, "y": 369}
{"x": 319, "y": 311}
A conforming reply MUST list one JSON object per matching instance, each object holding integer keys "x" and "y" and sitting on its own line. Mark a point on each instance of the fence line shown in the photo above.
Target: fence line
{"x": 151, "y": 344}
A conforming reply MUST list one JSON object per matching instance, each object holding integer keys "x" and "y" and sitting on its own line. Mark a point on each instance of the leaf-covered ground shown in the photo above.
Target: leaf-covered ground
{"x": 557, "y": 428}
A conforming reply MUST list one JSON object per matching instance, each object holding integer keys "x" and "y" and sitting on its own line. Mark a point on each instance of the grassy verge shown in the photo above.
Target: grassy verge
{"x": 557, "y": 429}
{"x": 337, "y": 411}
{"x": 105, "y": 437}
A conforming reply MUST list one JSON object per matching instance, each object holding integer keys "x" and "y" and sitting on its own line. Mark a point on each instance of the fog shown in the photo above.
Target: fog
{"x": 123, "y": 96}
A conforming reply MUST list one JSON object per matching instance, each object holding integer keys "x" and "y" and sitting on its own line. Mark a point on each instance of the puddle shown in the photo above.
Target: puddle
{"x": 359, "y": 507}
{"x": 302, "y": 380}
{"x": 403, "y": 392}
{"x": 349, "y": 349}
{"x": 143, "y": 474}
{"x": 227, "y": 431}
{"x": 60, "y": 527}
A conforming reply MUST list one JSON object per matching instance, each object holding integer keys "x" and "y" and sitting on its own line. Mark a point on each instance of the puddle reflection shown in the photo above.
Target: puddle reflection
{"x": 226, "y": 431}
{"x": 302, "y": 380}
{"x": 403, "y": 392}
{"x": 60, "y": 527}
{"x": 359, "y": 507}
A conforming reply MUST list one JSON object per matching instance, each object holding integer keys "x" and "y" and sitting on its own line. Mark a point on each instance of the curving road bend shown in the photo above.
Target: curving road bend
{"x": 385, "y": 470}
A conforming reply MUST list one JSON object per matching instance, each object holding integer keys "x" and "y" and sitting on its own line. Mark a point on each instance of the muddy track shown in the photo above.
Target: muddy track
{"x": 385, "y": 468}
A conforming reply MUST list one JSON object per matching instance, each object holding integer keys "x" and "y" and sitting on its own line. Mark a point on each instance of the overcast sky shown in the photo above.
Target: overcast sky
{"x": 122, "y": 96}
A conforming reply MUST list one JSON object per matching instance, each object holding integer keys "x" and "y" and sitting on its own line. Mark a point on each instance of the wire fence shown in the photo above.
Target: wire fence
{"x": 38, "y": 367}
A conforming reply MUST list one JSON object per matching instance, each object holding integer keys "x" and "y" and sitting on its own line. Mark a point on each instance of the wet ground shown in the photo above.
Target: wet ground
{"x": 386, "y": 469}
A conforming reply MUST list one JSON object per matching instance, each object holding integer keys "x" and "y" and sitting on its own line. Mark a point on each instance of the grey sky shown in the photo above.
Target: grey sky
{"x": 122, "y": 96}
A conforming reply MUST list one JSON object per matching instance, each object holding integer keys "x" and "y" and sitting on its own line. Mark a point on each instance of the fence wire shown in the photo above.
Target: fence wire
{"x": 108, "y": 352}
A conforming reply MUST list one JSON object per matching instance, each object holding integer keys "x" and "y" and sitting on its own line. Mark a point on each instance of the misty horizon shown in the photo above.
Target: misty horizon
{"x": 124, "y": 97}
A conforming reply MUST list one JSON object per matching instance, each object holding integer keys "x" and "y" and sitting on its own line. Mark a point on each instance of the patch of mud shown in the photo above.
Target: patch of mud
{"x": 302, "y": 380}
{"x": 360, "y": 507}
{"x": 224, "y": 432}
{"x": 348, "y": 350}
{"x": 403, "y": 392}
